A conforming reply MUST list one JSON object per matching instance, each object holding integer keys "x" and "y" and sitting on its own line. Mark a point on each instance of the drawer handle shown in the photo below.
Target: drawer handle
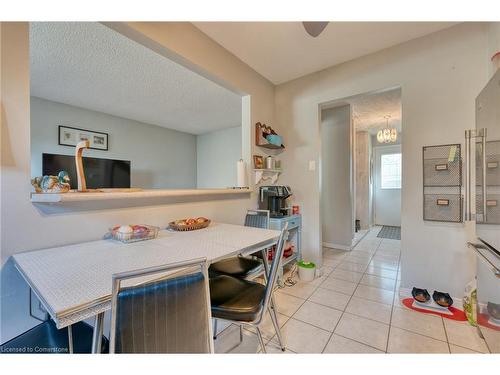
{"x": 492, "y": 164}
{"x": 443, "y": 202}
{"x": 491, "y": 203}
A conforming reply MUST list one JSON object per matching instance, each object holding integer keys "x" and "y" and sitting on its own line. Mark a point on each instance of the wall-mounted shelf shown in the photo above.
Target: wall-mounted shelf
{"x": 261, "y": 141}
{"x": 133, "y": 194}
{"x": 271, "y": 146}
{"x": 266, "y": 174}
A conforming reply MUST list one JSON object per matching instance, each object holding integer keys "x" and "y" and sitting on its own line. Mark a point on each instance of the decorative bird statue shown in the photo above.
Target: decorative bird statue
{"x": 52, "y": 184}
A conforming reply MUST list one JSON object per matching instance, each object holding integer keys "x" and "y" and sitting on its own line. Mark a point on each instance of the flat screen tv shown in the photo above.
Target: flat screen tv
{"x": 99, "y": 173}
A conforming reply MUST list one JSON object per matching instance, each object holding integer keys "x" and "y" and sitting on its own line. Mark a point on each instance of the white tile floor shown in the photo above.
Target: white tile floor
{"x": 354, "y": 308}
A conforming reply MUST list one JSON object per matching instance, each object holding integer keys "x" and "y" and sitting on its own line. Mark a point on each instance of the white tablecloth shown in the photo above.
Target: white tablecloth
{"x": 74, "y": 282}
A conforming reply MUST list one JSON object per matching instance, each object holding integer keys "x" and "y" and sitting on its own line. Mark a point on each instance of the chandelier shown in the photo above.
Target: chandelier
{"x": 387, "y": 135}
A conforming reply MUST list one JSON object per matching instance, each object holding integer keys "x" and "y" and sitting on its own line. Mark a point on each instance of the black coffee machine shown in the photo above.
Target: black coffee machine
{"x": 273, "y": 198}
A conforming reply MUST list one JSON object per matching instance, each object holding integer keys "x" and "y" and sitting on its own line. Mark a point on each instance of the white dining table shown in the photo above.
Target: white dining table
{"x": 74, "y": 282}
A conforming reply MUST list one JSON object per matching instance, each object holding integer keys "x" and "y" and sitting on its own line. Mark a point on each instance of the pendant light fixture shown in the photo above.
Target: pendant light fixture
{"x": 387, "y": 135}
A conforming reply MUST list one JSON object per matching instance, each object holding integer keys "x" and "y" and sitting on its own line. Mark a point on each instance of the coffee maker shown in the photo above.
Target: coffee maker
{"x": 273, "y": 198}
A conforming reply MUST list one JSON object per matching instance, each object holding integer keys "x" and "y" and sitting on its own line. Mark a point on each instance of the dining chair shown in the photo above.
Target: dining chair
{"x": 45, "y": 338}
{"x": 249, "y": 267}
{"x": 169, "y": 313}
{"x": 245, "y": 302}
{"x": 244, "y": 266}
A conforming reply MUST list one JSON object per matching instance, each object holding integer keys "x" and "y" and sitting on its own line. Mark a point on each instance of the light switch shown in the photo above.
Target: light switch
{"x": 312, "y": 165}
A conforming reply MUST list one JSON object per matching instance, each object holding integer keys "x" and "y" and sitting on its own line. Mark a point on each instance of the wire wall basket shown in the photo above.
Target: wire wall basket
{"x": 442, "y": 183}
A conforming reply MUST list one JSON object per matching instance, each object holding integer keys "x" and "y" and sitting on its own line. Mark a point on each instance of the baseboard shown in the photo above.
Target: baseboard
{"x": 336, "y": 246}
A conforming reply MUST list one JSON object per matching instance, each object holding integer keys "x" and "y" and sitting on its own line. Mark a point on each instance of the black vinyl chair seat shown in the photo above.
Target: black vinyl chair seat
{"x": 236, "y": 299}
{"x": 244, "y": 267}
{"x": 46, "y": 338}
{"x": 241, "y": 267}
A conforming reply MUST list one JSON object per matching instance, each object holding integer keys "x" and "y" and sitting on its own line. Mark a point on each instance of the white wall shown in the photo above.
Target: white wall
{"x": 387, "y": 202}
{"x": 440, "y": 76}
{"x": 363, "y": 179}
{"x": 336, "y": 194}
{"x": 216, "y": 156}
{"x": 25, "y": 226}
{"x": 494, "y": 47}
{"x": 160, "y": 157}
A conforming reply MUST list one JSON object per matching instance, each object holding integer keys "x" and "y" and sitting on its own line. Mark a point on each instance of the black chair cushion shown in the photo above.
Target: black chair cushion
{"x": 46, "y": 338}
{"x": 241, "y": 267}
{"x": 236, "y": 299}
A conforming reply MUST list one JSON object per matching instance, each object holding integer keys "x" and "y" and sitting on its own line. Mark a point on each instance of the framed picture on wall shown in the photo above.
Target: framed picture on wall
{"x": 69, "y": 136}
{"x": 258, "y": 162}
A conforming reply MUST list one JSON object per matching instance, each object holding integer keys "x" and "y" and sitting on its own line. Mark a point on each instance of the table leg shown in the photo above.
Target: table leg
{"x": 272, "y": 310}
{"x": 70, "y": 338}
{"x": 97, "y": 336}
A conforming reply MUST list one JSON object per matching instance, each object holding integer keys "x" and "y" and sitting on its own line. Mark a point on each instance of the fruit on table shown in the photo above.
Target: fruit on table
{"x": 140, "y": 229}
{"x": 191, "y": 221}
{"x": 129, "y": 230}
{"x": 125, "y": 229}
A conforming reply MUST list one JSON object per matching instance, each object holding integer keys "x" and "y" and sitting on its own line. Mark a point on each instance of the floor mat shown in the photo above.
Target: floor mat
{"x": 393, "y": 233}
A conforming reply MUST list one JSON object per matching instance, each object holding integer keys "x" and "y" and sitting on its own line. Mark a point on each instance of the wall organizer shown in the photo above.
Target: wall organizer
{"x": 442, "y": 183}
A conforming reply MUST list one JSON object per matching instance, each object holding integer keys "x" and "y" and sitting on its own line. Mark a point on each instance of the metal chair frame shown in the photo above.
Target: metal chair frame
{"x": 272, "y": 305}
{"x": 182, "y": 268}
{"x": 268, "y": 304}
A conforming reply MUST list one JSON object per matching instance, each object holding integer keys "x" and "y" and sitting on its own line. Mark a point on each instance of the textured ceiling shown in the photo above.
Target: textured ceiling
{"x": 369, "y": 110}
{"x": 282, "y": 51}
{"x": 88, "y": 65}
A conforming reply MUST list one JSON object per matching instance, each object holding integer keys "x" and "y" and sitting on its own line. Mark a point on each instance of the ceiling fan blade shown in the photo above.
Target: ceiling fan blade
{"x": 314, "y": 28}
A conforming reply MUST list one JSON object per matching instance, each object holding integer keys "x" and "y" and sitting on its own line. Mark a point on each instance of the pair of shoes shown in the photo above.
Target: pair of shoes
{"x": 423, "y": 296}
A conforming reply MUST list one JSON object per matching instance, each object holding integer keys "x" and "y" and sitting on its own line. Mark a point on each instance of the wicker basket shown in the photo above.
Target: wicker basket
{"x": 149, "y": 234}
{"x": 184, "y": 228}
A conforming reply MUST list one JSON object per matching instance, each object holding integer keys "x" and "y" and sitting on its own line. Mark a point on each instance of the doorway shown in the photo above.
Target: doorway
{"x": 361, "y": 174}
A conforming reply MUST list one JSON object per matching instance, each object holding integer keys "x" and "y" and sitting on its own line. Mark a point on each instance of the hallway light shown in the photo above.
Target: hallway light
{"x": 387, "y": 135}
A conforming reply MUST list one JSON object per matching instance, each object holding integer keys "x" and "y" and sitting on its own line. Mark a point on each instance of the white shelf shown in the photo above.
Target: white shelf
{"x": 266, "y": 174}
{"x": 120, "y": 194}
{"x": 269, "y": 170}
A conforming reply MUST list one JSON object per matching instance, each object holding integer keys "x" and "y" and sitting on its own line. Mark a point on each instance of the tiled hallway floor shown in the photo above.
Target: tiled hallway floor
{"x": 354, "y": 308}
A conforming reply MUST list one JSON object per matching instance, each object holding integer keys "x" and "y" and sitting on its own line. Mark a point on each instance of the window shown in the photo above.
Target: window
{"x": 390, "y": 171}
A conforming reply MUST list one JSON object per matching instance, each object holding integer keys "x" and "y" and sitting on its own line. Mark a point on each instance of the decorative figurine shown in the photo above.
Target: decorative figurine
{"x": 80, "y": 175}
{"x": 52, "y": 184}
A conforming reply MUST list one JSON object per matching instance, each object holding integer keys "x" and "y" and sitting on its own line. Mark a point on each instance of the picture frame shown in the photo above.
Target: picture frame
{"x": 70, "y": 136}
{"x": 258, "y": 162}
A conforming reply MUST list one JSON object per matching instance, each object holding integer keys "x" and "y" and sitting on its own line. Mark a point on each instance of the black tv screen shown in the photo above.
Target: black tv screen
{"x": 99, "y": 173}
